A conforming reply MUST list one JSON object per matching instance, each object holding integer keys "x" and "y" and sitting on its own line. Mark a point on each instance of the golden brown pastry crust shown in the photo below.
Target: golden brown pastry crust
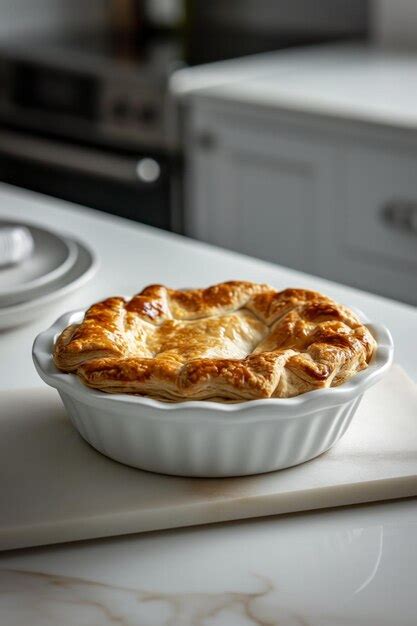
{"x": 231, "y": 342}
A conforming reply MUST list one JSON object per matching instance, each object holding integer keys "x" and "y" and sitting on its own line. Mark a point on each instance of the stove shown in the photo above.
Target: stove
{"x": 95, "y": 87}
{"x": 87, "y": 117}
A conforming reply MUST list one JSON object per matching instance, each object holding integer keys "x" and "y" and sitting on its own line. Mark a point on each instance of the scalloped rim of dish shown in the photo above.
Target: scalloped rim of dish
{"x": 307, "y": 402}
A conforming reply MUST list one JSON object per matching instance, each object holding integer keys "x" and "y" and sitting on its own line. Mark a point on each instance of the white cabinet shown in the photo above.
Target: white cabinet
{"x": 372, "y": 241}
{"x": 257, "y": 190}
{"x": 322, "y": 202}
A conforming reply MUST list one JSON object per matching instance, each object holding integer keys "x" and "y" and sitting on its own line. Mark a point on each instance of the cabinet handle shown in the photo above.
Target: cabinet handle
{"x": 206, "y": 140}
{"x": 401, "y": 215}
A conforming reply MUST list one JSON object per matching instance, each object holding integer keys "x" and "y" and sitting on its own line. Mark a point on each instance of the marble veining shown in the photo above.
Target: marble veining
{"x": 330, "y": 568}
{"x": 39, "y": 599}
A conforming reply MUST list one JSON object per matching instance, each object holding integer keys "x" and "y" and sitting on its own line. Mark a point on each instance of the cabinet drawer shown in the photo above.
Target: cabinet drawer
{"x": 380, "y": 214}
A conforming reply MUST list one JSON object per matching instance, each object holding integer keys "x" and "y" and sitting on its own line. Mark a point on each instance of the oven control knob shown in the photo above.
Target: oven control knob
{"x": 148, "y": 170}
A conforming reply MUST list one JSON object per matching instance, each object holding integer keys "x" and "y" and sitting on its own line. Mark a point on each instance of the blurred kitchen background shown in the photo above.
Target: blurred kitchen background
{"x": 284, "y": 129}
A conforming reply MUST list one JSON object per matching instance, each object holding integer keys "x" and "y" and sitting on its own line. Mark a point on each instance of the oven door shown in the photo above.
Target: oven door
{"x": 134, "y": 186}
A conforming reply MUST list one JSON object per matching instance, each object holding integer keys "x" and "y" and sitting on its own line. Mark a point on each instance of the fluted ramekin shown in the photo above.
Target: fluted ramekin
{"x": 200, "y": 438}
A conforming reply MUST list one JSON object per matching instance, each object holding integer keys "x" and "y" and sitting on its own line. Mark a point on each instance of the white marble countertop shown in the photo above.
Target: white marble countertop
{"x": 339, "y": 81}
{"x": 355, "y": 565}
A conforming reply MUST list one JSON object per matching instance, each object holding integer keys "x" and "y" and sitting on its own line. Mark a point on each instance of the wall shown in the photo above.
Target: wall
{"x": 314, "y": 15}
{"x": 19, "y": 17}
{"x": 395, "y": 23}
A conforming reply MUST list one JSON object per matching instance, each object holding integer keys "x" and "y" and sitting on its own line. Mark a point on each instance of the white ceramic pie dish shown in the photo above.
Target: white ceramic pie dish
{"x": 209, "y": 439}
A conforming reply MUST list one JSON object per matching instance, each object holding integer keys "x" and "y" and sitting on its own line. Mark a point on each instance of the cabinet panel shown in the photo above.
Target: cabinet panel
{"x": 362, "y": 244}
{"x": 273, "y": 208}
{"x": 381, "y": 206}
{"x": 258, "y": 190}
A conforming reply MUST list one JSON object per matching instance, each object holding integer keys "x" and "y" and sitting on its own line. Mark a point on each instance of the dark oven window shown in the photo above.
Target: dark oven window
{"x": 56, "y": 91}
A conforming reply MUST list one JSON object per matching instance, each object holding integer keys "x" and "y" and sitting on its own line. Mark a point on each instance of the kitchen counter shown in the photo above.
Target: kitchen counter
{"x": 347, "y": 81}
{"x": 354, "y": 565}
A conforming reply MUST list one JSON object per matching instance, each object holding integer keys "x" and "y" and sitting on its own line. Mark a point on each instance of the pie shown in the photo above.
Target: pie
{"x": 234, "y": 341}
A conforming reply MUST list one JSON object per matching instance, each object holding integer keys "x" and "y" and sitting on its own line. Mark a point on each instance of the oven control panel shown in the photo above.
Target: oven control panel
{"x": 129, "y": 108}
{"x": 133, "y": 111}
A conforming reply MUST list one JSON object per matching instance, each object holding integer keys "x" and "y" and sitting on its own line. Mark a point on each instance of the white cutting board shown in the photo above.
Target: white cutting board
{"x": 54, "y": 487}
